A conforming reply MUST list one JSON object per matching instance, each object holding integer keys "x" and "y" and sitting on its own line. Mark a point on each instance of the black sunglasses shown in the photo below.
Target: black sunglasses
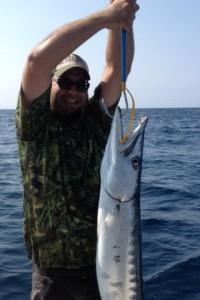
{"x": 67, "y": 84}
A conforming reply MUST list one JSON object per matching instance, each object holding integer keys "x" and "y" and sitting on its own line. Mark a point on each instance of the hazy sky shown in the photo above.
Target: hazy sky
{"x": 166, "y": 70}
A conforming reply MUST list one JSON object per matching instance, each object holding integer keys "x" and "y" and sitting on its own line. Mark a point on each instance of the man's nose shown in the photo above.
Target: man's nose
{"x": 71, "y": 89}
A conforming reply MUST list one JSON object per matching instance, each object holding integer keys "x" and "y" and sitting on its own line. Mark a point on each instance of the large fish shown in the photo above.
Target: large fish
{"x": 119, "y": 261}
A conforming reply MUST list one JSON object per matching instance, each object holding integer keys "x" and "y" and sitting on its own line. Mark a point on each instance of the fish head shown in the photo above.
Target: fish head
{"x": 122, "y": 161}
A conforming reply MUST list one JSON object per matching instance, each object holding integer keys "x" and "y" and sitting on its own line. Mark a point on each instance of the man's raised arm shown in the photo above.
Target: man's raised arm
{"x": 46, "y": 55}
{"x": 111, "y": 79}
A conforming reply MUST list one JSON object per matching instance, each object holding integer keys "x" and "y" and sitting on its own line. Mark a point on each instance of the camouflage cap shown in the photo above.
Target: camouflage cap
{"x": 70, "y": 62}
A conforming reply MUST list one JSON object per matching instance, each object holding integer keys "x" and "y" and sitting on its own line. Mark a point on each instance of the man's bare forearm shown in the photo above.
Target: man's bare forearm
{"x": 66, "y": 39}
{"x": 113, "y": 50}
{"x": 70, "y": 36}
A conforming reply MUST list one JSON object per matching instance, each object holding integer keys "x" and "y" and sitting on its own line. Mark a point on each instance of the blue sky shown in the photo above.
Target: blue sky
{"x": 166, "y": 69}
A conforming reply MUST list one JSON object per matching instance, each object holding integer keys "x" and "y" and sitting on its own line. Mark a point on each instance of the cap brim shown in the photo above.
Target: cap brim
{"x": 68, "y": 67}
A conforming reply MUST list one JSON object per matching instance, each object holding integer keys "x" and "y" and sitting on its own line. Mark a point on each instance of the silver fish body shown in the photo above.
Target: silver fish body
{"x": 119, "y": 259}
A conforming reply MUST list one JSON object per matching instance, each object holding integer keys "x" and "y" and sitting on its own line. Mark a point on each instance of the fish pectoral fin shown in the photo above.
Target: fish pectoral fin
{"x": 110, "y": 220}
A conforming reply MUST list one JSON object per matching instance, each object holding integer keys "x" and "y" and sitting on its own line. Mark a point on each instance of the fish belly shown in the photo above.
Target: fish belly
{"x": 118, "y": 261}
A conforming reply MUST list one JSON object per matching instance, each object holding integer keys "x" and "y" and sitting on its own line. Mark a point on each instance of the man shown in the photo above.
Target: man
{"x": 62, "y": 135}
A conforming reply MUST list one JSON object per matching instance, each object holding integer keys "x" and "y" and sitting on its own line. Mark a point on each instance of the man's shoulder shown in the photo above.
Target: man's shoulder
{"x": 29, "y": 121}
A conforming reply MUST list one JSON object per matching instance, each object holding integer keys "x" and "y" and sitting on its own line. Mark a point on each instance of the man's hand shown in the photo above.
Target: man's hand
{"x": 122, "y": 13}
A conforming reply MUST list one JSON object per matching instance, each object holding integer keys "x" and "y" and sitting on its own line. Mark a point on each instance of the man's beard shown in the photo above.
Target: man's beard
{"x": 69, "y": 116}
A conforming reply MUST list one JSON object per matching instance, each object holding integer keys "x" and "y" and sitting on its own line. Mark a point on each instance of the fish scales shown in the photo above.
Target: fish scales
{"x": 119, "y": 255}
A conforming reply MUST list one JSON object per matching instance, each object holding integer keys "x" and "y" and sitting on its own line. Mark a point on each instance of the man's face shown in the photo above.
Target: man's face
{"x": 68, "y": 96}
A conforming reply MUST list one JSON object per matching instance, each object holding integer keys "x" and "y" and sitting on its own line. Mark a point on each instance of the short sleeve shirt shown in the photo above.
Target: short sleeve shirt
{"x": 60, "y": 164}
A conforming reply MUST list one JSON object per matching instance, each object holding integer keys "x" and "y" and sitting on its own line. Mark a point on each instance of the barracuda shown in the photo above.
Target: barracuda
{"x": 119, "y": 259}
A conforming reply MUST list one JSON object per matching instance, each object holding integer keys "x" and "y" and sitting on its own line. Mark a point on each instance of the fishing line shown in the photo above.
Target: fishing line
{"x": 124, "y": 91}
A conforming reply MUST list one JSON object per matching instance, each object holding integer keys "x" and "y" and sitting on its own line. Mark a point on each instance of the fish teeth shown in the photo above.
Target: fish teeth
{"x": 132, "y": 252}
{"x": 132, "y": 278}
{"x": 132, "y": 271}
{"x": 133, "y": 287}
{"x": 133, "y": 296}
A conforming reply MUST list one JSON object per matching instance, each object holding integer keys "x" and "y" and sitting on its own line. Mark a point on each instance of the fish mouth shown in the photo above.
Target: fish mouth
{"x": 128, "y": 135}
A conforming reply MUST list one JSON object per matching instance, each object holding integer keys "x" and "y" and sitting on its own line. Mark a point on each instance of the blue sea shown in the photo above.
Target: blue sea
{"x": 170, "y": 208}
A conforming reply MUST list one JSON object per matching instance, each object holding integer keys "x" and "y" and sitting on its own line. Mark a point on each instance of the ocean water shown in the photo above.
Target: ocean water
{"x": 170, "y": 204}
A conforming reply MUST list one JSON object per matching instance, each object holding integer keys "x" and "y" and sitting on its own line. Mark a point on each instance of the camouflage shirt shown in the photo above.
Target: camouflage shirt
{"x": 60, "y": 165}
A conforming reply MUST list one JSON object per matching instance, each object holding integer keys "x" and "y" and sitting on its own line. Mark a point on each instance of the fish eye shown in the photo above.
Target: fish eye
{"x": 135, "y": 161}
